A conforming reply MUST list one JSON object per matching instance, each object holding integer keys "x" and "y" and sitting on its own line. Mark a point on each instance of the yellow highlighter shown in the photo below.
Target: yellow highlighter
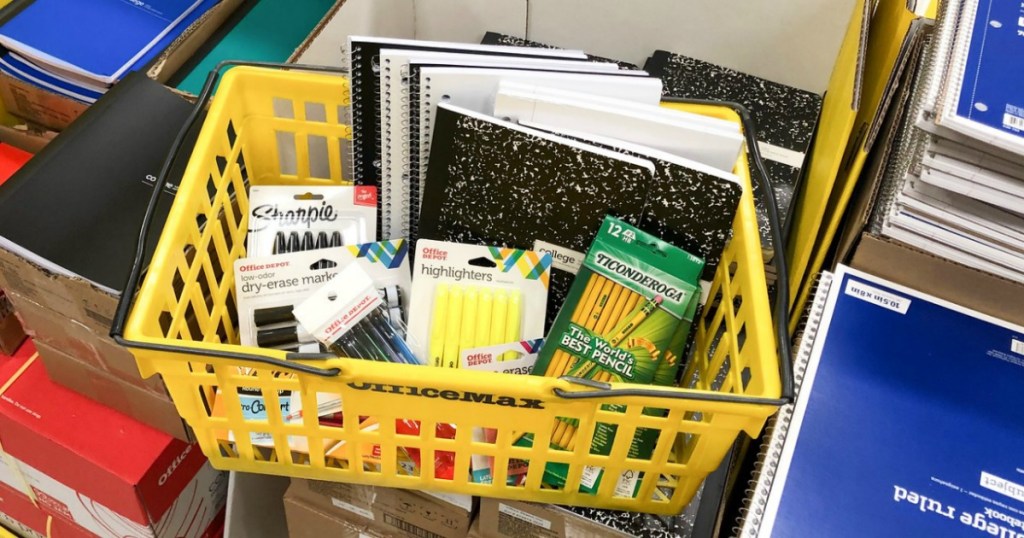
{"x": 484, "y": 302}
{"x": 452, "y": 327}
{"x": 512, "y": 322}
{"x": 437, "y": 328}
{"x": 499, "y": 313}
{"x": 467, "y": 335}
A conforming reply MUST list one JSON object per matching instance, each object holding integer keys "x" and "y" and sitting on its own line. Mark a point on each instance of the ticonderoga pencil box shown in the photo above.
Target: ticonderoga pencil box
{"x": 631, "y": 299}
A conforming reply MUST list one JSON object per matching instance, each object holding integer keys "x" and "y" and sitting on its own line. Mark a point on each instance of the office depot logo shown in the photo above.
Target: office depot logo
{"x": 431, "y": 253}
{"x": 174, "y": 465}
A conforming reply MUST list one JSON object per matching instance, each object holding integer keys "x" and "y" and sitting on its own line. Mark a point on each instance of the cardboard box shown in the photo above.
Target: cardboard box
{"x": 150, "y": 408}
{"x": 306, "y": 521}
{"x": 26, "y": 519}
{"x": 109, "y": 474}
{"x": 393, "y": 512}
{"x": 56, "y": 111}
{"x": 940, "y": 277}
{"x": 255, "y": 505}
{"x": 11, "y": 332}
{"x": 85, "y": 345}
{"x": 508, "y": 519}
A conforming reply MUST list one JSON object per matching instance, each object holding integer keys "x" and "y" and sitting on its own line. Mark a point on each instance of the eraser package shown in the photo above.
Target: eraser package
{"x": 285, "y": 219}
{"x": 268, "y": 289}
{"x": 349, "y": 316}
{"x": 466, "y": 297}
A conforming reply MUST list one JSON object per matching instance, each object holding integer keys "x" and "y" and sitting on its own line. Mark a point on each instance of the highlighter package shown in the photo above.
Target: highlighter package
{"x": 289, "y": 219}
{"x": 468, "y": 297}
{"x": 628, "y": 313}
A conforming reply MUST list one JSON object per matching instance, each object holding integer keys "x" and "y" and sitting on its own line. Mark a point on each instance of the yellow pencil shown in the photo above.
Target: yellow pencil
{"x": 612, "y": 314}
{"x": 484, "y": 301}
{"x": 513, "y": 321}
{"x": 635, "y": 322}
{"x": 467, "y": 334}
{"x": 602, "y": 301}
{"x": 453, "y": 326}
{"x": 499, "y": 315}
{"x": 437, "y": 329}
{"x": 560, "y": 361}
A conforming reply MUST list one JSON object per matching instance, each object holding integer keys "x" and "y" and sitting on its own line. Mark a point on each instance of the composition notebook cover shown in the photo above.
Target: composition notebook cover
{"x": 98, "y": 39}
{"x": 497, "y": 38}
{"x": 77, "y": 206}
{"x": 495, "y": 183}
{"x": 907, "y": 421}
{"x": 985, "y": 78}
{"x": 786, "y": 118}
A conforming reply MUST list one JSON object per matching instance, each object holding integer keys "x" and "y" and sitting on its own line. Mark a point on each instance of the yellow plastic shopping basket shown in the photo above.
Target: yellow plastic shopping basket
{"x": 262, "y": 127}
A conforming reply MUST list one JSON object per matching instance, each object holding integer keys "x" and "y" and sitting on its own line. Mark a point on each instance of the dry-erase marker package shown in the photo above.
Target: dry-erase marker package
{"x": 624, "y": 309}
{"x": 286, "y": 219}
{"x": 349, "y": 316}
{"x": 268, "y": 288}
{"x": 466, "y": 297}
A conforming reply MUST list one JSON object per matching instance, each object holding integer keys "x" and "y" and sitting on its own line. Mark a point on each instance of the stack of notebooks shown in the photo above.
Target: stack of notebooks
{"x": 79, "y": 48}
{"x": 906, "y": 421}
{"x": 530, "y": 148}
{"x": 954, "y": 186}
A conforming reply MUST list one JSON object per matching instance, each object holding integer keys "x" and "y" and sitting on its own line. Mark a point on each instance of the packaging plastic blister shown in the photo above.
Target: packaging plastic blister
{"x": 286, "y": 219}
{"x": 466, "y": 297}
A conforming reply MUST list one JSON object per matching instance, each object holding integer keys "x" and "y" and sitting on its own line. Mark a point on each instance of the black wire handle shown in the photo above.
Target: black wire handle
{"x": 132, "y": 285}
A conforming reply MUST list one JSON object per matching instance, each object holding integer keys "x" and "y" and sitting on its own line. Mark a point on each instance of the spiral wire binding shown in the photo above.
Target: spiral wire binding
{"x": 415, "y": 188}
{"x": 385, "y": 134}
{"x": 406, "y": 160}
{"x": 426, "y": 128}
{"x": 777, "y": 428}
{"x": 356, "y": 82}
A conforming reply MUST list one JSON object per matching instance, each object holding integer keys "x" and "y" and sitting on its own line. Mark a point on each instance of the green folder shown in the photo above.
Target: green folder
{"x": 268, "y": 31}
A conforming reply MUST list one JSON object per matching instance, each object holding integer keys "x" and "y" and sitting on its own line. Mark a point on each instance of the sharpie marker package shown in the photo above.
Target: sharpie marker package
{"x": 628, "y": 310}
{"x": 267, "y": 289}
{"x": 466, "y": 297}
{"x": 287, "y": 219}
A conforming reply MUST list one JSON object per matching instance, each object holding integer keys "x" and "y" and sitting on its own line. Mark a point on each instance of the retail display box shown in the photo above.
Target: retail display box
{"x": 508, "y": 519}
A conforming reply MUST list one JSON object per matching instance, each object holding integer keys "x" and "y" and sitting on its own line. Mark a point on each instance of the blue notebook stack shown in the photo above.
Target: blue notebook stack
{"x": 907, "y": 421}
{"x": 79, "y": 48}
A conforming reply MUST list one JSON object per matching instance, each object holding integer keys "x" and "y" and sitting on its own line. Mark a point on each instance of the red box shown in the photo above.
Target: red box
{"x": 18, "y": 513}
{"x": 92, "y": 465}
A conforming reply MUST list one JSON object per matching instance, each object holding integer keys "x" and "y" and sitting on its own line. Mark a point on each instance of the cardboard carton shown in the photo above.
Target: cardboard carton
{"x": 507, "y": 519}
{"x": 11, "y": 332}
{"x": 57, "y": 112}
{"x": 89, "y": 464}
{"x": 393, "y": 512}
{"x": 306, "y": 521}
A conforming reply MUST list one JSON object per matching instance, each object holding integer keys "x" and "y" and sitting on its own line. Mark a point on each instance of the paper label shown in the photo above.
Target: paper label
{"x": 1017, "y": 346}
{"x": 513, "y": 358}
{"x": 339, "y": 305}
{"x": 464, "y": 502}
{"x": 352, "y": 508}
{"x": 525, "y": 516}
{"x": 782, "y": 155}
{"x": 590, "y": 476}
{"x": 561, "y": 257}
{"x": 1002, "y": 486}
{"x": 874, "y": 295}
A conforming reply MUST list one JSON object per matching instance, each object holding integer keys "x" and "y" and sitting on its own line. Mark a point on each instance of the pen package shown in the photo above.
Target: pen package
{"x": 633, "y": 299}
{"x": 350, "y": 318}
{"x": 288, "y": 219}
{"x": 466, "y": 297}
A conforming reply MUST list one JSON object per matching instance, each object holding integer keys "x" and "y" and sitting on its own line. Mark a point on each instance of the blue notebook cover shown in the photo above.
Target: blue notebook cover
{"x": 99, "y": 39}
{"x": 13, "y": 66}
{"x": 992, "y": 88}
{"x": 909, "y": 421}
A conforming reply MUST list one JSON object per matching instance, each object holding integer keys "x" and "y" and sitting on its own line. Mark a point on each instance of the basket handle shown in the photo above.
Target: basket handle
{"x": 601, "y": 390}
{"x": 779, "y": 240}
{"x": 127, "y": 299}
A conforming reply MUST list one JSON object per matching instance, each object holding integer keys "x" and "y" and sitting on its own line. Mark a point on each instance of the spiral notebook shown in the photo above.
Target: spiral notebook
{"x": 396, "y": 119}
{"x": 906, "y": 421}
{"x": 982, "y": 95}
{"x": 365, "y": 81}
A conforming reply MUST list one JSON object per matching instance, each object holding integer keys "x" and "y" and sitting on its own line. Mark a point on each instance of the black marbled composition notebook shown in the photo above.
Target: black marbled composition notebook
{"x": 492, "y": 182}
{"x": 495, "y": 38}
{"x": 786, "y": 118}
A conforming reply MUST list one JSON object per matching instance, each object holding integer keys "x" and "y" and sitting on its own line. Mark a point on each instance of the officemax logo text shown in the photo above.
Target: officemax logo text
{"x": 466, "y": 396}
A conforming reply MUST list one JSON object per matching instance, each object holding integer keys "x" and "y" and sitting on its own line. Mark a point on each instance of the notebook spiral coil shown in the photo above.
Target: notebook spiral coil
{"x": 357, "y": 81}
{"x": 760, "y": 483}
{"x": 406, "y": 161}
{"x": 415, "y": 172}
{"x": 387, "y": 201}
